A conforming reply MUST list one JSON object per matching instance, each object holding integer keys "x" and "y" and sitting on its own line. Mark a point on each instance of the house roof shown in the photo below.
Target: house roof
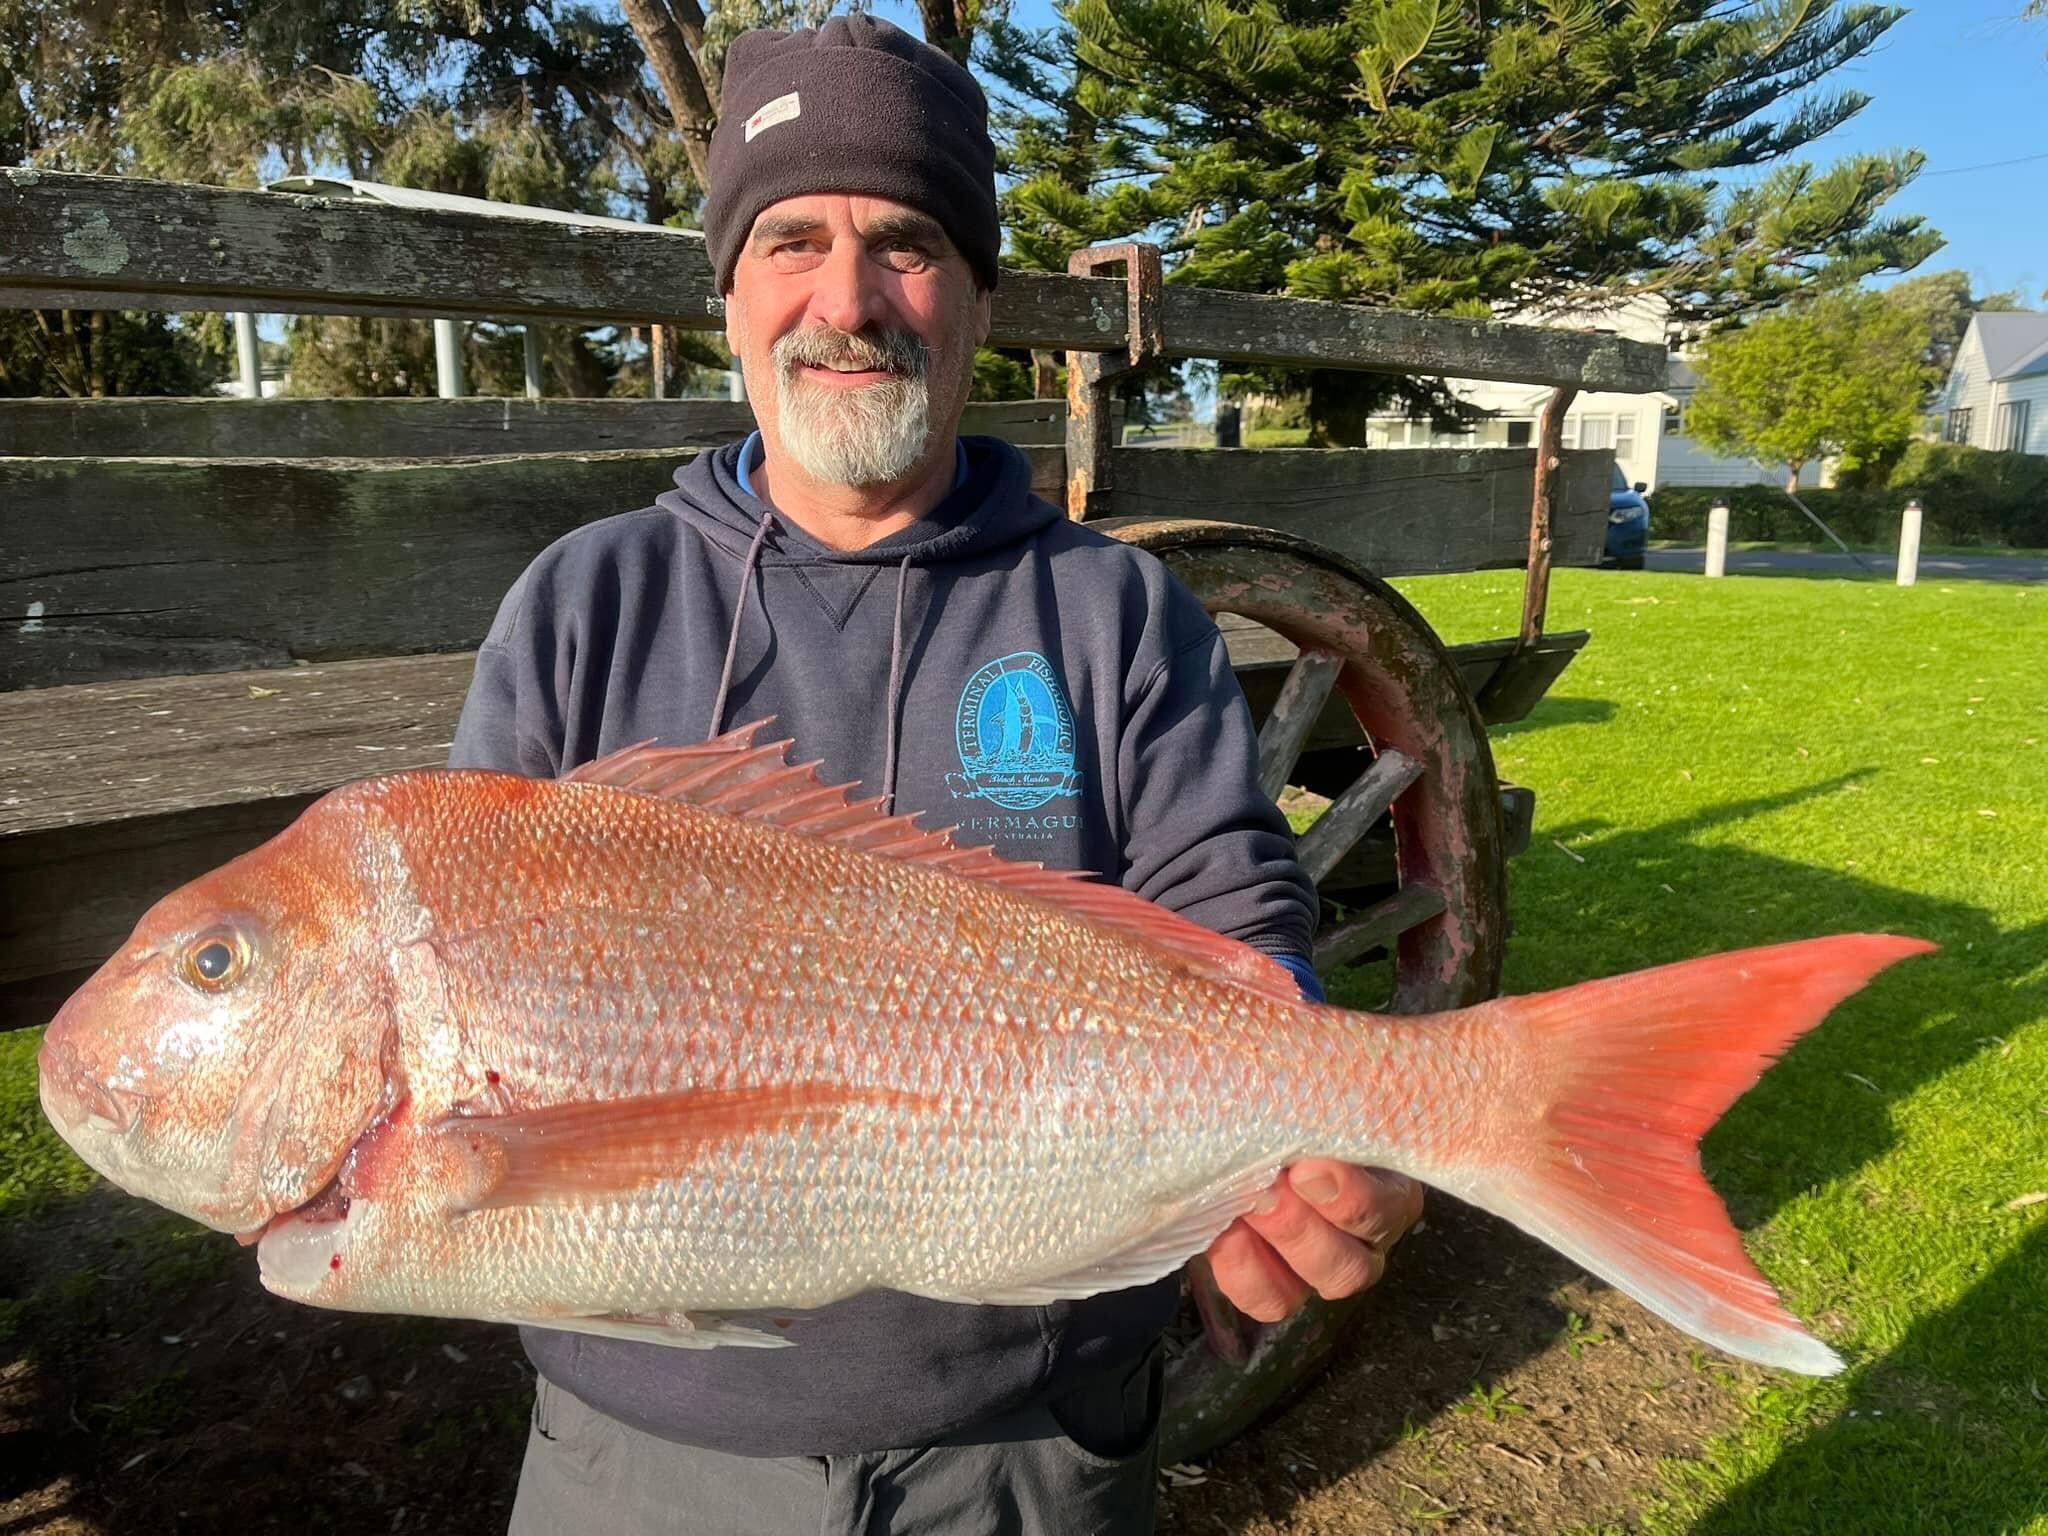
{"x": 2015, "y": 343}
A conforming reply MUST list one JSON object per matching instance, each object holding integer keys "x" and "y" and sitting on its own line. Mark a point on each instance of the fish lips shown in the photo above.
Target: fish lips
{"x": 301, "y": 1251}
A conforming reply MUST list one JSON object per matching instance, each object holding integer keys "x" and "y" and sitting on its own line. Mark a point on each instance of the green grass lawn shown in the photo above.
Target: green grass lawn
{"x": 1755, "y": 760}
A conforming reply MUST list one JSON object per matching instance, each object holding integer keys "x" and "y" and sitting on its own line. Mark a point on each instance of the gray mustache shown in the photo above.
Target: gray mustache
{"x": 896, "y": 351}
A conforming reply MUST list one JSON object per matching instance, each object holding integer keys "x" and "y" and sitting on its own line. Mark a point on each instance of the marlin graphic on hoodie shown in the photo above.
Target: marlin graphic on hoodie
{"x": 994, "y": 667}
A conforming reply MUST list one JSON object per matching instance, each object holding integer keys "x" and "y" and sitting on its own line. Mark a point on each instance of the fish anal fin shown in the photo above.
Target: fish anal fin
{"x": 596, "y": 1149}
{"x": 680, "y": 1330}
{"x": 1182, "y": 1230}
{"x": 731, "y": 775}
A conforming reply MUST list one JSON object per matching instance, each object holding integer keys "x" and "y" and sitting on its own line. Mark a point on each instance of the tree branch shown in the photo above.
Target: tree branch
{"x": 688, "y": 84}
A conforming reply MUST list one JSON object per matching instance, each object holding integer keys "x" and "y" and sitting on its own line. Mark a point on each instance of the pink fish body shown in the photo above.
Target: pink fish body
{"x": 688, "y": 1039}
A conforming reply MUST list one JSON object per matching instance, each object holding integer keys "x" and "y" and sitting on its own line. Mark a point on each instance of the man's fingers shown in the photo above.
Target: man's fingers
{"x": 1330, "y": 1259}
{"x": 1369, "y": 1203}
{"x": 1248, "y": 1271}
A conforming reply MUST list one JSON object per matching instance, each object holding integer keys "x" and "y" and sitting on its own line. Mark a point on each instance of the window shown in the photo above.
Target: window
{"x": 1625, "y": 437}
{"x": 1569, "y": 437}
{"x": 1674, "y": 420}
{"x": 1521, "y": 433}
{"x": 1958, "y": 426}
{"x": 1596, "y": 432}
{"x": 2011, "y": 436}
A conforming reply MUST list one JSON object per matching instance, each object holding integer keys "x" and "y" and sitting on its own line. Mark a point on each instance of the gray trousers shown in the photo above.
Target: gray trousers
{"x": 1085, "y": 1464}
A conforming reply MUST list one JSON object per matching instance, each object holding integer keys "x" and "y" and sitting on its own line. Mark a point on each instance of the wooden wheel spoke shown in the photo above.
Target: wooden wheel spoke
{"x": 1294, "y": 715}
{"x": 1378, "y": 926}
{"x": 1352, "y": 813}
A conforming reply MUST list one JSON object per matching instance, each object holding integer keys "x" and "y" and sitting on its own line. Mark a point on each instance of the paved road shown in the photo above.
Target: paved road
{"x": 1787, "y": 562}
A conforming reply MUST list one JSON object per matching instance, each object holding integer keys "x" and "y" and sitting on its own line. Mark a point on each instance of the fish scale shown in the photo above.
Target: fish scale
{"x": 686, "y": 1039}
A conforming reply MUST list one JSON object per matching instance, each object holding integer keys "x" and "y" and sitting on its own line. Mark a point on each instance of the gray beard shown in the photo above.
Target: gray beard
{"x": 869, "y": 436}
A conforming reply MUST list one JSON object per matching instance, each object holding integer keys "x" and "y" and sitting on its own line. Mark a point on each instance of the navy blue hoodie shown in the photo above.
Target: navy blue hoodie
{"x": 994, "y": 666}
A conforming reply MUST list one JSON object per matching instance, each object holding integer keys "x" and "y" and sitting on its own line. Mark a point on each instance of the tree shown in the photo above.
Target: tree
{"x": 1478, "y": 160}
{"x": 548, "y": 102}
{"x": 1842, "y": 374}
{"x": 1943, "y": 304}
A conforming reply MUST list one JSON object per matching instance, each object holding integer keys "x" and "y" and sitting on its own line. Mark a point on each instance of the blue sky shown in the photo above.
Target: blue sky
{"x": 1963, "y": 80}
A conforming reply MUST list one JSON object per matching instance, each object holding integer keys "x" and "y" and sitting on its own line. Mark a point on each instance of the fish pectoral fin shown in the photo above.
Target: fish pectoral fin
{"x": 1183, "y": 1229}
{"x": 678, "y": 1330}
{"x": 595, "y": 1150}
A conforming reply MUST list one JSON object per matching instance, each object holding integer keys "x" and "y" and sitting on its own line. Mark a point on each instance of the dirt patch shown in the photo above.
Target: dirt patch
{"x": 151, "y": 1385}
{"x": 1492, "y": 1387}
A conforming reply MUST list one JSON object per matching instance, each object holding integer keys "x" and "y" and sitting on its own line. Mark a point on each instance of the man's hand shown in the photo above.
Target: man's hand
{"x": 1324, "y": 1227}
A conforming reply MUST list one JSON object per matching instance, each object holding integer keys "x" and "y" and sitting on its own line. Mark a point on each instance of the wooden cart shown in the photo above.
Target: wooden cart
{"x": 217, "y": 610}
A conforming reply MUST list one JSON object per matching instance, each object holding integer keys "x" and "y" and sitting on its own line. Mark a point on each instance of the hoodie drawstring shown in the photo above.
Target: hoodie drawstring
{"x": 895, "y": 704}
{"x": 739, "y": 609}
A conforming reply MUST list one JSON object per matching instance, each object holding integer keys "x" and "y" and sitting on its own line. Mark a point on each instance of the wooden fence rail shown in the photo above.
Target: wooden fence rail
{"x": 128, "y": 567}
{"x": 100, "y": 242}
{"x": 419, "y": 428}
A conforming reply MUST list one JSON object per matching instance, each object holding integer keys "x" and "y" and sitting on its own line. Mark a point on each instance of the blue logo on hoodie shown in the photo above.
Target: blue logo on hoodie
{"x": 1015, "y": 735}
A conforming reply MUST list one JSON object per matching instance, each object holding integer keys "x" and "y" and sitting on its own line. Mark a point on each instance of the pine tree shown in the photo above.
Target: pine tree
{"x": 1479, "y": 157}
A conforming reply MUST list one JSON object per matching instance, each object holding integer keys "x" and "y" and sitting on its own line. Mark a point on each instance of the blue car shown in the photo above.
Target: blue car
{"x": 1628, "y": 524}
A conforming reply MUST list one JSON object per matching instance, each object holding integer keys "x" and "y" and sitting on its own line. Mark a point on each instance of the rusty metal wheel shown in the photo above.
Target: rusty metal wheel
{"x": 1439, "y": 904}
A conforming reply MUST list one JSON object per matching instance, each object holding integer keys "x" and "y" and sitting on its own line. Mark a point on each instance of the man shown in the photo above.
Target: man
{"x": 909, "y": 612}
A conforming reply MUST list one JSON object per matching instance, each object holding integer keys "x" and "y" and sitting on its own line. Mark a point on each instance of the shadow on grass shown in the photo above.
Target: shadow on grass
{"x": 1910, "y": 1453}
{"x": 1912, "y": 1025}
{"x": 1556, "y": 710}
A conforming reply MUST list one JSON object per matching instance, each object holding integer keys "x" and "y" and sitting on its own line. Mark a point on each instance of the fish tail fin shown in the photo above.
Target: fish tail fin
{"x": 1641, "y": 1066}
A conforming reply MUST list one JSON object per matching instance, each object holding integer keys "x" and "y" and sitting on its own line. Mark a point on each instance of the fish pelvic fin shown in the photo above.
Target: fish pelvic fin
{"x": 1644, "y": 1064}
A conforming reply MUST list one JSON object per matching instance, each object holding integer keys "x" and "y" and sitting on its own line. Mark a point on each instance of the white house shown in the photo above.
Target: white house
{"x": 1997, "y": 390}
{"x": 1646, "y": 432}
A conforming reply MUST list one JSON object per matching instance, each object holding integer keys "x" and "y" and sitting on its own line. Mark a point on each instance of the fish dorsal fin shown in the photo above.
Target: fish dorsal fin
{"x": 734, "y": 776}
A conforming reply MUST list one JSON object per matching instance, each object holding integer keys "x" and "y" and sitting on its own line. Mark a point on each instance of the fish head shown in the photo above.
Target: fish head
{"x": 226, "y": 1058}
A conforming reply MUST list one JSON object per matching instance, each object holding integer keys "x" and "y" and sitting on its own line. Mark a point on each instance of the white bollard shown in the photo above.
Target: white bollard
{"x": 1717, "y": 539}
{"x": 1909, "y": 544}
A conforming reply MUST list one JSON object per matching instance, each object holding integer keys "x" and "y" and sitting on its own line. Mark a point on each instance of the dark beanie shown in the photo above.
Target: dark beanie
{"x": 858, "y": 106}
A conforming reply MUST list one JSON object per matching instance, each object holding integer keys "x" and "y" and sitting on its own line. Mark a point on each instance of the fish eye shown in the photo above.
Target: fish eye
{"x": 215, "y": 961}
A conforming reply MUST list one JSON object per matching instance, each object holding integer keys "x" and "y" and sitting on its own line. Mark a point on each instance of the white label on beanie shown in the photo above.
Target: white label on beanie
{"x": 780, "y": 110}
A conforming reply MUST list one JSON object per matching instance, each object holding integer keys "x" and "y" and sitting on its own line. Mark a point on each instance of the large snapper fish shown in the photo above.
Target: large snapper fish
{"x": 689, "y": 1039}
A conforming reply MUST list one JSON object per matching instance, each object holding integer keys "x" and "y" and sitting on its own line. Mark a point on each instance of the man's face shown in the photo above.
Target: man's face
{"x": 866, "y": 319}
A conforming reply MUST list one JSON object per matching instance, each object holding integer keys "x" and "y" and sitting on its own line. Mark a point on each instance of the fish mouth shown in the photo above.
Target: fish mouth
{"x": 301, "y": 1249}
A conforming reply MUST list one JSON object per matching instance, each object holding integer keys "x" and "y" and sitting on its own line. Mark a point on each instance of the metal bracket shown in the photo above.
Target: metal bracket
{"x": 1543, "y": 512}
{"x": 1143, "y": 280}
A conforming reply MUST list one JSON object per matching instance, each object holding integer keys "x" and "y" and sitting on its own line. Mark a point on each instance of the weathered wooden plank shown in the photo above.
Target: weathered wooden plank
{"x": 1285, "y": 729}
{"x": 87, "y": 241}
{"x": 1378, "y": 926}
{"x": 126, "y": 242}
{"x": 419, "y": 429}
{"x": 1338, "y": 830}
{"x": 68, "y": 899}
{"x": 1262, "y": 660}
{"x": 117, "y": 793}
{"x": 426, "y": 428}
{"x": 142, "y": 567}
{"x": 103, "y": 752}
{"x": 1261, "y": 328}
{"x": 1398, "y": 512}
{"x": 1370, "y": 864}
